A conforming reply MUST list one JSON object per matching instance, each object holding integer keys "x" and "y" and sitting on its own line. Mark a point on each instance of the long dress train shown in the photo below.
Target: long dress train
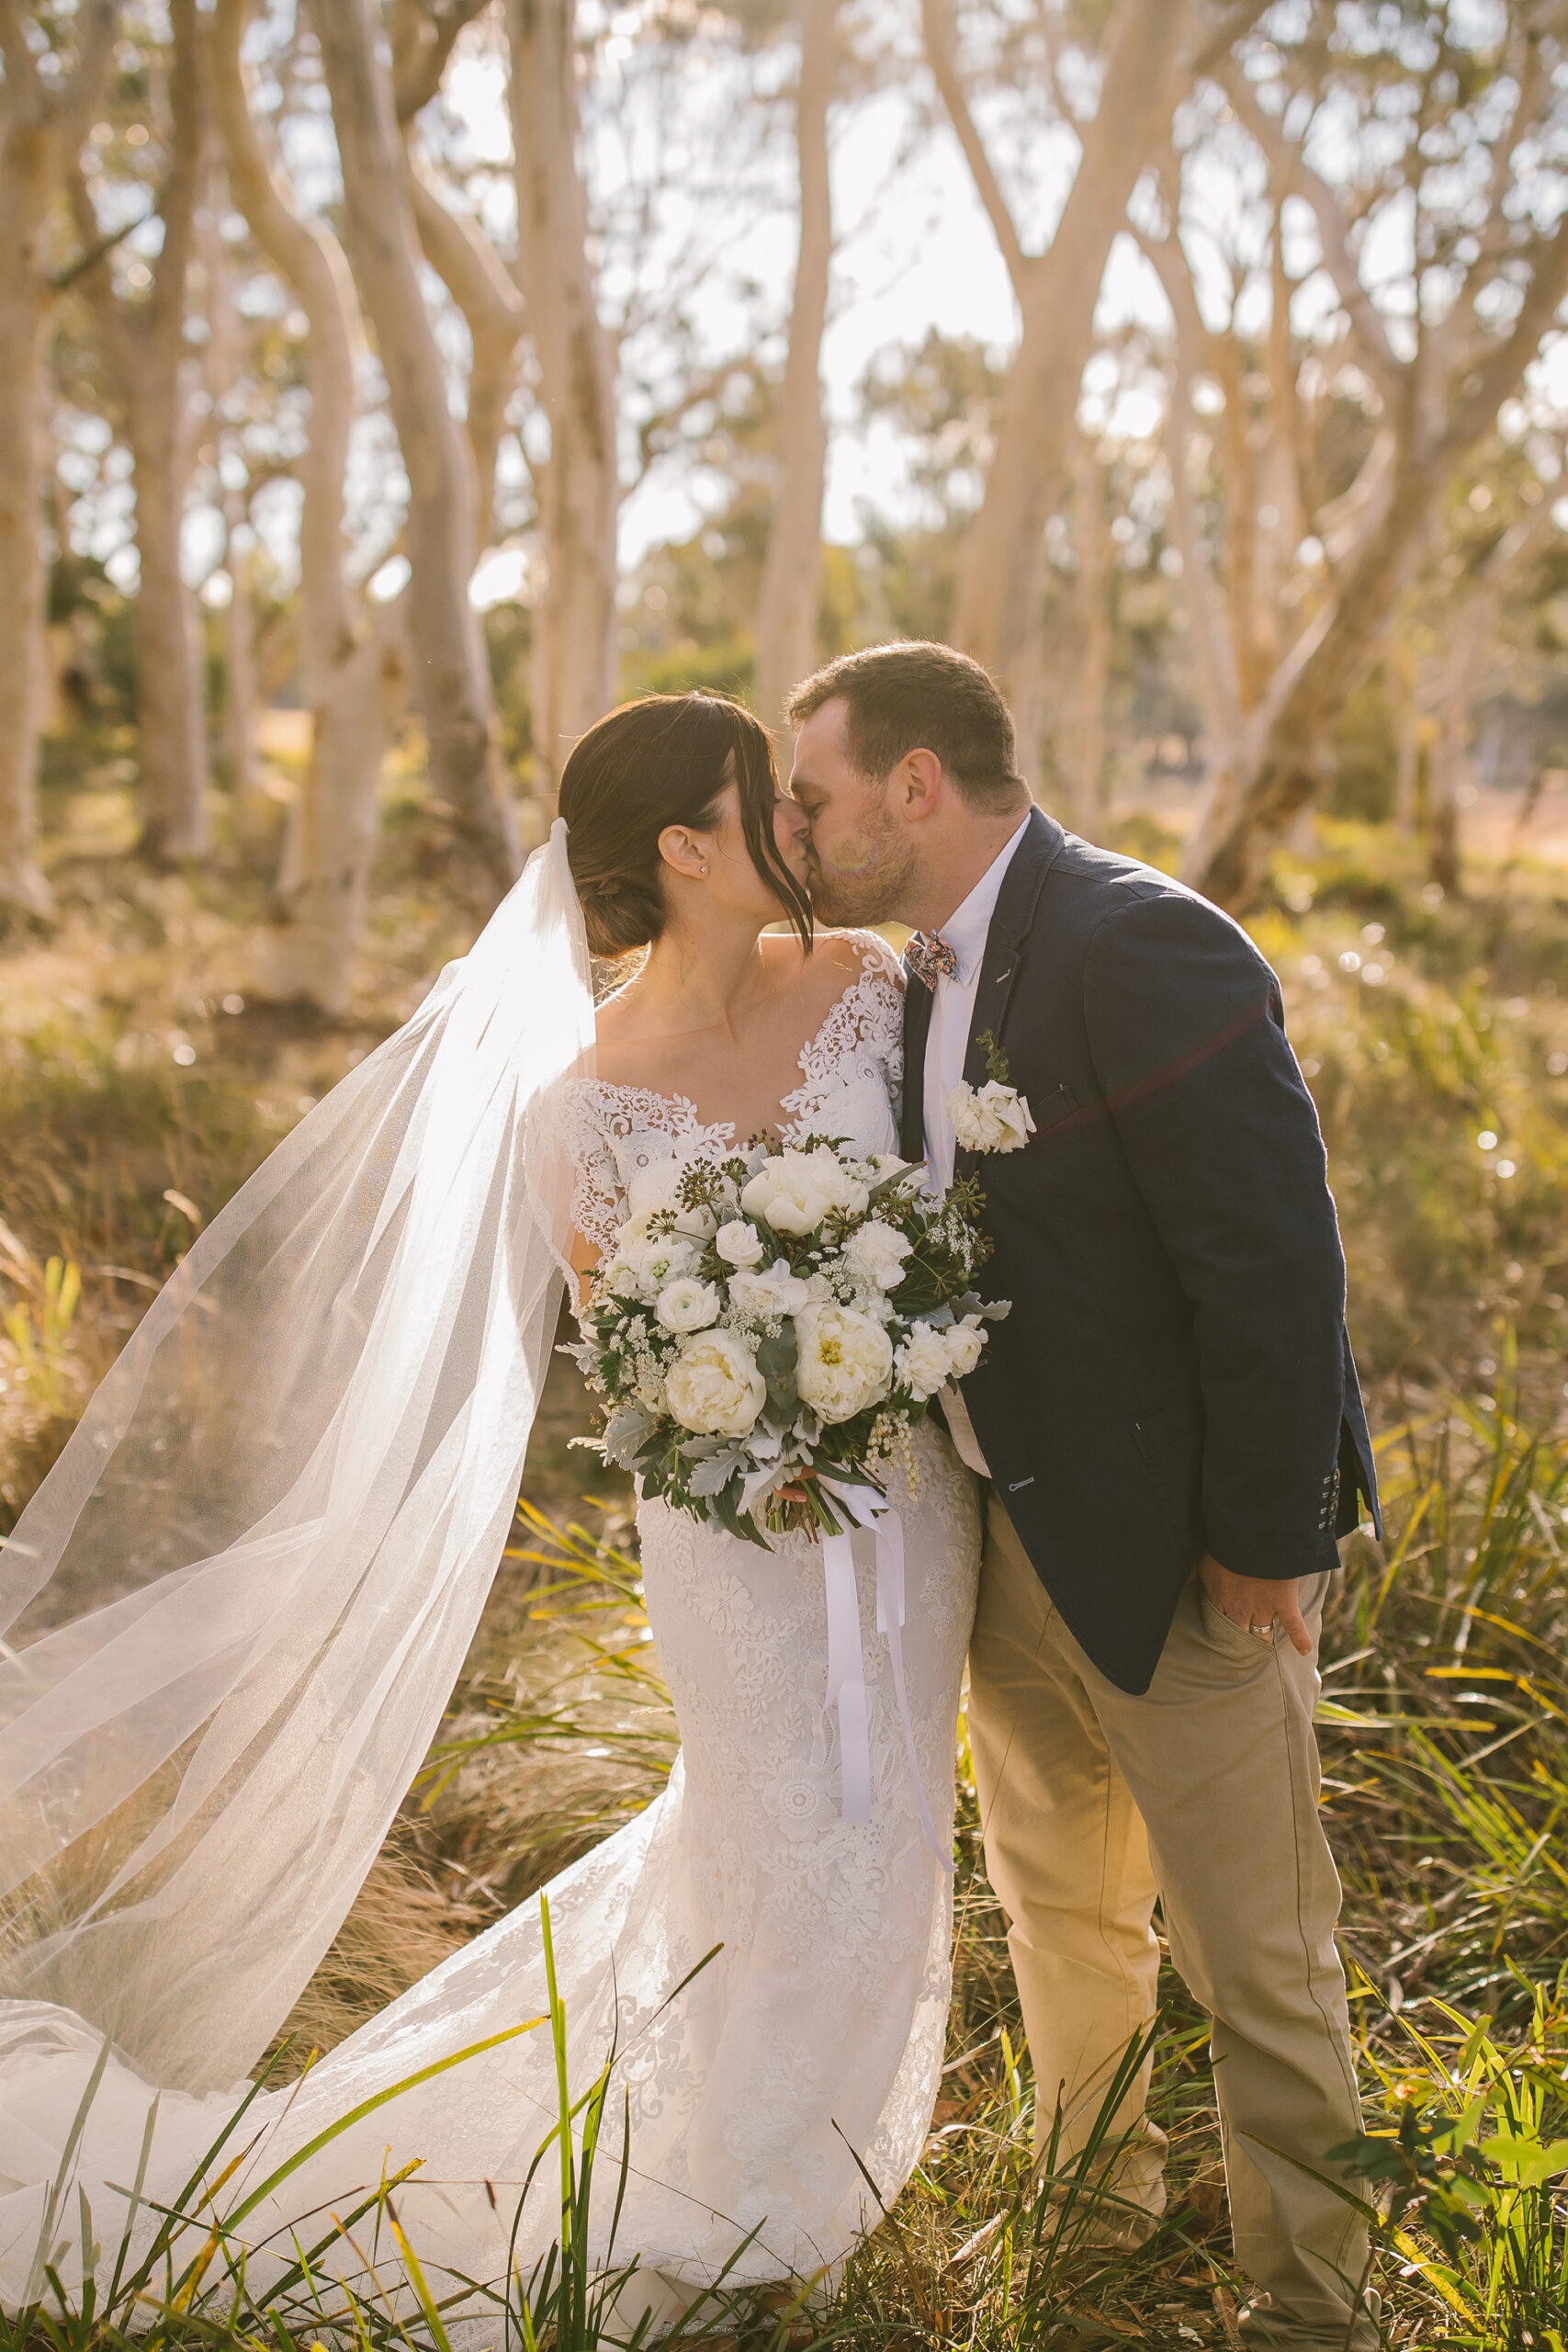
{"x": 802, "y": 2058}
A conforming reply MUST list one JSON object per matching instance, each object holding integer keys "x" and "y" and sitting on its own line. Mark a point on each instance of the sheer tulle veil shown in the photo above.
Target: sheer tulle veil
{"x": 235, "y": 1609}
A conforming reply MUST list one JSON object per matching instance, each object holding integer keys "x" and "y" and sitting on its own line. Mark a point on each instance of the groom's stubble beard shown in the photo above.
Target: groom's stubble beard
{"x": 862, "y": 868}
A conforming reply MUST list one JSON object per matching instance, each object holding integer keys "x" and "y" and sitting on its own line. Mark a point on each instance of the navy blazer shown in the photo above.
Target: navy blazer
{"x": 1175, "y": 1376}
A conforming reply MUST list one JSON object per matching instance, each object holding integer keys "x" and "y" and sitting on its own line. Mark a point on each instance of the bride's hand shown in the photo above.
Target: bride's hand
{"x": 797, "y": 1492}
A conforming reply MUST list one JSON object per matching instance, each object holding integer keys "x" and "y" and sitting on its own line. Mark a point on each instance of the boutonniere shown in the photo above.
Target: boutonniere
{"x": 995, "y": 1117}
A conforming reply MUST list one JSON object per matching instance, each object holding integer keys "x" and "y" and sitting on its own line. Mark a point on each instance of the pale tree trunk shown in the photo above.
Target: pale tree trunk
{"x": 145, "y": 348}
{"x": 1471, "y": 642}
{"x": 578, "y": 487}
{"x": 450, "y": 677}
{"x": 792, "y": 570}
{"x": 225, "y": 357}
{"x": 240, "y": 696}
{"x": 349, "y": 665}
{"x": 475, "y": 277}
{"x": 41, "y": 127}
{"x": 996, "y": 613}
{"x": 1092, "y": 539}
{"x": 1402, "y": 670}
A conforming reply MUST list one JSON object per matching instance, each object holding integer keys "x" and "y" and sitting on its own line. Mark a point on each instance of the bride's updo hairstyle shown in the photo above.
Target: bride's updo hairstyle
{"x": 666, "y": 759}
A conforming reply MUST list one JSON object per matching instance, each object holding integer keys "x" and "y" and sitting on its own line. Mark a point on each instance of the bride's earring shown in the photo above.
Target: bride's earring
{"x": 701, "y": 870}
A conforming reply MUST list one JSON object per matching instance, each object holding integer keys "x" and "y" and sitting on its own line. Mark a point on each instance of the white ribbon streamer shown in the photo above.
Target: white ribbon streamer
{"x": 846, "y": 1663}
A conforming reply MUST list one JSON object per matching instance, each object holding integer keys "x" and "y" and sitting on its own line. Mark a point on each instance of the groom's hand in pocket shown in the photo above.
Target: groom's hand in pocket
{"x": 1253, "y": 1602}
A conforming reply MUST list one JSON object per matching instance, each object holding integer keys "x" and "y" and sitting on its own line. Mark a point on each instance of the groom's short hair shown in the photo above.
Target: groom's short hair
{"x": 921, "y": 696}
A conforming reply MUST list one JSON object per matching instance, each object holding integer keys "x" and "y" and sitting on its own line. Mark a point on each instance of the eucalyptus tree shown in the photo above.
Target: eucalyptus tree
{"x": 450, "y": 678}
{"x": 786, "y": 605}
{"x": 348, "y": 646}
{"x": 1419, "y": 157}
{"x": 46, "y": 105}
{"x": 138, "y": 303}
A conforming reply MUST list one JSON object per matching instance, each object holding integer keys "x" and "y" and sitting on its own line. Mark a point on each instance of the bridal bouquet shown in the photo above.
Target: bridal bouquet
{"x": 778, "y": 1321}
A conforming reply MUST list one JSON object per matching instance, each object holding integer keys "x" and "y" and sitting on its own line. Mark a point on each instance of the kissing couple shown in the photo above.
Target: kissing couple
{"x": 239, "y": 1604}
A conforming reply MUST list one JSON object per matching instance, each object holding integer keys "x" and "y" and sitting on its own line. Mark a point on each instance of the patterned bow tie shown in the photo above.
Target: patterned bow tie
{"x": 927, "y": 958}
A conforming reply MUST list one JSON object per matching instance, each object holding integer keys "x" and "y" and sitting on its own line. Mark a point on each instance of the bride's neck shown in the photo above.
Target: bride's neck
{"x": 702, "y": 975}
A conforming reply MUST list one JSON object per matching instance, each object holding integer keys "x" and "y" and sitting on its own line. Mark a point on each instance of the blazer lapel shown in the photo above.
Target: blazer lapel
{"x": 917, "y": 1023}
{"x": 1031, "y": 861}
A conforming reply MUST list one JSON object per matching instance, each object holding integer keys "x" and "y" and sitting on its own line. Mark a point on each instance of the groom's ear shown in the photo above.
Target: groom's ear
{"x": 917, "y": 787}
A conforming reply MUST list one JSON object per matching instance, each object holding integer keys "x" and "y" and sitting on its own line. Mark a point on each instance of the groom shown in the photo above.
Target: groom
{"x": 1172, "y": 1432}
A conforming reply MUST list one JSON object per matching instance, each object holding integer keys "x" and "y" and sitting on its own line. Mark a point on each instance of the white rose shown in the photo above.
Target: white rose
{"x": 964, "y": 1341}
{"x": 844, "y": 1361}
{"x": 714, "y": 1386}
{"x": 770, "y": 1295}
{"x": 687, "y": 1304}
{"x": 996, "y": 1119}
{"x": 875, "y": 1254}
{"x": 922, "y": 1361}
{"x": 738, "y": 1244}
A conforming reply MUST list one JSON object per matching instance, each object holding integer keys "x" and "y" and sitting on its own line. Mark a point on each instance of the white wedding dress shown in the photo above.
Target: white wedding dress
{"x": 809, "y": 2047}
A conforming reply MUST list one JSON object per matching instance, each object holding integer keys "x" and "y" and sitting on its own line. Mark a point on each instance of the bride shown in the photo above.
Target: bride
{"x": 238, "y": 1606}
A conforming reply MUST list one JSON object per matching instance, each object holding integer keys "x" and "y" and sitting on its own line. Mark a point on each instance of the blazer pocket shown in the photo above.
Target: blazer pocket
{"x": 1053, "y": 1108}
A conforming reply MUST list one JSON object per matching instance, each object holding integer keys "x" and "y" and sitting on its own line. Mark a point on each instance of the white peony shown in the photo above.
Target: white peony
{"x": 738, "y": 1244}
{"x": 714, "y": 1386}
{"x": 796, "y": 1190}
{"x": 996, "y": 1118}
{"x": 769, "y": 1295}
{"x": 844, "y": 1361}
{"x": 964, "y": 1341}
{"x": 922, "y": 1361}
{"x": 687, "y": 1304}
{"x": 875, "y": 1254}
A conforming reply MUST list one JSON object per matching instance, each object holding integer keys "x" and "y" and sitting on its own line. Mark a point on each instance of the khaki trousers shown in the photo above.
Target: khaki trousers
{"x": 1204, "y": 1791}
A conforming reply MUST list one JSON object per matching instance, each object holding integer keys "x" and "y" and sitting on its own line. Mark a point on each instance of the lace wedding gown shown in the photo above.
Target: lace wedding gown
{"x": 809, "y": 2047}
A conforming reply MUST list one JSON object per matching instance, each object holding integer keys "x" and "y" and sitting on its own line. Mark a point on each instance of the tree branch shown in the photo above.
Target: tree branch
{"x": 936, "y": 21}
{"x": 1293, "y": 175}
{"x": 423, "y": 40}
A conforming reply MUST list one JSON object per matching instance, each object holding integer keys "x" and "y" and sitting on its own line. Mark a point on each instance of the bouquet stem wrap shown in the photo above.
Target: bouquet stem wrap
{"x": 846, "y": 1663}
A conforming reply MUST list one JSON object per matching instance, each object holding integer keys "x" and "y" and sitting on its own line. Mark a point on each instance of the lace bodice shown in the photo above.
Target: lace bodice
{"x": 850, "y": 1076}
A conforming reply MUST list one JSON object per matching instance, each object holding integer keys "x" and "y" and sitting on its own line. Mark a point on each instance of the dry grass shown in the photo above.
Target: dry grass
{"x": 1446, "y": 1720}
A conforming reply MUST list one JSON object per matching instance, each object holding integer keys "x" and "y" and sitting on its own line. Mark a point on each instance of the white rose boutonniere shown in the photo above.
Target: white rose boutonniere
{"x": 993, "y": 1117}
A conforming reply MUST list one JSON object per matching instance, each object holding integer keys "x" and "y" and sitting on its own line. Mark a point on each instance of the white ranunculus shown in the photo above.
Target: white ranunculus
{"x": 922, "y": 1361}
{"x": 621, "y": 1277}
{"x": 738, "y": 1244}
{"x": 995, "y": 1118}
{"x": 770, "y": 1293}
{"x": 687, "y": 1304}
{"x": 714, "y": 1386}
{"x": 844, "y": 1361}
{"x": 661, "y": 1258}
{"x": 796, "y": 1190}
{"x": 875, "y": 1254}
{"x": 964, "y": 1341}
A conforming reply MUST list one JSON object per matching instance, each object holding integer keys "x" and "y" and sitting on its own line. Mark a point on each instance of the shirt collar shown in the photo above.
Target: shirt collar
{"x": 967, "y": 929}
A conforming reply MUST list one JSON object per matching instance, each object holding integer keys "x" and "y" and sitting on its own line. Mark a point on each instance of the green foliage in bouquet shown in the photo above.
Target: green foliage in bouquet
{"x": 775, "y": 1323}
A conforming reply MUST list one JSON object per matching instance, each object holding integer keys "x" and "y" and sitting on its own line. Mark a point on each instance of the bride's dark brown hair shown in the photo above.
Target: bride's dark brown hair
{"x": 666, "y": 759}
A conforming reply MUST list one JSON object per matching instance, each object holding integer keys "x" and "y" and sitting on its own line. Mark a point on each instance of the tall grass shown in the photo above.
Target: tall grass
{"x": 1445, "y": 1714}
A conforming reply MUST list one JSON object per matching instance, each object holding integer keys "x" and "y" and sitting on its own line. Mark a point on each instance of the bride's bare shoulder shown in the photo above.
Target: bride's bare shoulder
{"x": 838, "y": 961}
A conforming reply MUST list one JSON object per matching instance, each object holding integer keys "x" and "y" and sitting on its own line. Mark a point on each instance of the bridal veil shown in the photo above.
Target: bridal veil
{"x": 234, "y": 1611}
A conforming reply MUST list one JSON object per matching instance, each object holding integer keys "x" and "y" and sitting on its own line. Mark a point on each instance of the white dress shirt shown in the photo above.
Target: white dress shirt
{"x": 947, "y": 1047}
